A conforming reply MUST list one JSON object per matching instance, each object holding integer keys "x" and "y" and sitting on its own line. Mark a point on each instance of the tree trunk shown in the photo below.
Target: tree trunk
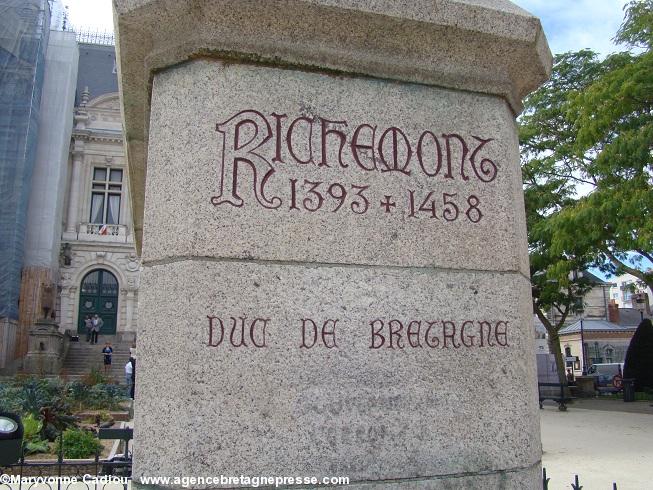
{"x": 554, "y": 347}
{"x": 554, "y": 342}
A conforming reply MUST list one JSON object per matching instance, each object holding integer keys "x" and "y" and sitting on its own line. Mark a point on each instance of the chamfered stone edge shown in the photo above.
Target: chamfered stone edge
{"x": 490, "y": 47}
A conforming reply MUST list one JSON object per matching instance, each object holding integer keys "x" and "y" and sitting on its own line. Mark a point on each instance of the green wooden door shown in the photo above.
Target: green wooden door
{"x": 99, "y": 295}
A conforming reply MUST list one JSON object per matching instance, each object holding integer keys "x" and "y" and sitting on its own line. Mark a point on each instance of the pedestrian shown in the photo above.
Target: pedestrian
{"x": 88, "y": 325}
{"x": 107, "y": 351}
{"x": 133, "y": 386}
{"x": 129, "y": 369}
{"x": 571, "y": 381}
{"x": 97, "y": 326}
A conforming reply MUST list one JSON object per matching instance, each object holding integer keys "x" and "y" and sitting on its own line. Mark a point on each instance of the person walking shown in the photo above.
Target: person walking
{"x": 88, "y": 325}
{"x": 107, "y": 352}
{"x": 97, "y": 326}
{"x": 129, "y": 369}
{"x": 133, "y": 386}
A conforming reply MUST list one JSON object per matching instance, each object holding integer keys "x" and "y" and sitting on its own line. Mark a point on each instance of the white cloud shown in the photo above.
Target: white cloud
{"x": 571, "y": 25}
{"x": 93, "y": 14}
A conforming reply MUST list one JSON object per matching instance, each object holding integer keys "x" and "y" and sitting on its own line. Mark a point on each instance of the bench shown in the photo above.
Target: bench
{"x": 556, "y": 392}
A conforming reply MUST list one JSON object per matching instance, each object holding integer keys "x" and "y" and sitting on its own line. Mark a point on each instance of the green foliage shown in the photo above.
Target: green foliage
{"x": 78, "y": 444}
{"x": 95, "y": 377}
{"x": 587, "y": 164}
{"x": 588, "y": 132}
{"x": 105, "y": 396}
{"x": 32, "y": 442}
{"x": 97, "y": 396}
{"x": 32, "y": 427}
{"x": 639, "y": 357}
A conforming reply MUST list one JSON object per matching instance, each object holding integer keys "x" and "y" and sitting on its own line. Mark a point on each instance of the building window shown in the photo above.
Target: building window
{"x": 105, "y": 195}
{"x": 609, "y": 354}
{"x": 567, "y": 351}
{"x": 627, "y": 290}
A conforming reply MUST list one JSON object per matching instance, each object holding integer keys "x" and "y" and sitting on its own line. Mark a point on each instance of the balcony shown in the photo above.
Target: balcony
{"x": 92, "y": 232}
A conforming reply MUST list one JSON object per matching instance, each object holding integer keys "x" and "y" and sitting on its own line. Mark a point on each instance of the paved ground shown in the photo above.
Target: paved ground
{"x": 603, "y": 441}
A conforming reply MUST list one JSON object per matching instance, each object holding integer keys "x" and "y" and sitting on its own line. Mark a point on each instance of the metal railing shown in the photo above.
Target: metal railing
{"x": 60, "y": 474}
{"x": 92, "y": 36}
{"x": 575, "y": 485}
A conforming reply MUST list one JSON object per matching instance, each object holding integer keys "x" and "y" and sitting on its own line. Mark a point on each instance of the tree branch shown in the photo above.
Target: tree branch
{"x": 630, "y": 270}
{"x": 645, "y": 254}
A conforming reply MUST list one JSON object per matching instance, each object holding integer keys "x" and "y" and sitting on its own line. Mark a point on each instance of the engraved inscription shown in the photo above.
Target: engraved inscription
{"x": 392, "y": 333}
{"x": 260, "y": 147}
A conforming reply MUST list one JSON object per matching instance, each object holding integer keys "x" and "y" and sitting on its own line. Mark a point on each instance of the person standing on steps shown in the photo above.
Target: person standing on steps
{"x": 129, "y": 369}
{"x": 97, "y": 326}
{"x": 88, "y": 325}
{"x": 107, "y": 351}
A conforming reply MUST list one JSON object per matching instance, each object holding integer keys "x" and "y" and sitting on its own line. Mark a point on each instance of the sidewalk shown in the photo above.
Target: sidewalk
{"x": 602, "y": 441}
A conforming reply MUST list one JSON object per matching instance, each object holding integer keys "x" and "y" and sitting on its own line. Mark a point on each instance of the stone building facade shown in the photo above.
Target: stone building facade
{"x": 100, "y": 268}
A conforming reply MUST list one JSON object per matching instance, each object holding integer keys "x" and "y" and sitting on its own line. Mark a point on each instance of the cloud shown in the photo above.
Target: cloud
{"x": 571, "y": 25}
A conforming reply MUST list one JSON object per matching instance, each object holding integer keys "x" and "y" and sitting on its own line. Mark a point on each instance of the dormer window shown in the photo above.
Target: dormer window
{"x": 106, "y": 194}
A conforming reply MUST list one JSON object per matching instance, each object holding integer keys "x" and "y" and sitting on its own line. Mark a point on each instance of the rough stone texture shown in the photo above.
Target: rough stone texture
{"x": 239, "y": 232}
{"x": 186, "y": 155}
{"x": 369, "y": 414}
{"x": 489, "y": 46}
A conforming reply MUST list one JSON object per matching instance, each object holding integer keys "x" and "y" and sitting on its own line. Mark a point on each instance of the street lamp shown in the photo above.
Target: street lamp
{"x": 11, "y": 438}
{"x": 582, "y": 345}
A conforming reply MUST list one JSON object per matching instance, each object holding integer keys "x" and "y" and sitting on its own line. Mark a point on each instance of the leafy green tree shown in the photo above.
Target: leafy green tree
{"x": 613, "y": 130}
{"x": 586, "y": 139}
{"x": 550, "y": 175}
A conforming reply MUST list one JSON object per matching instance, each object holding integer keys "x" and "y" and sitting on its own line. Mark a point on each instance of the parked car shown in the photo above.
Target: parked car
{"x": 605, "y": 375}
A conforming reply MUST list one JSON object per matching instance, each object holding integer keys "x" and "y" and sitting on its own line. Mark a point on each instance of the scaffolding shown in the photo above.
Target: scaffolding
{"x": 24, "y": 33}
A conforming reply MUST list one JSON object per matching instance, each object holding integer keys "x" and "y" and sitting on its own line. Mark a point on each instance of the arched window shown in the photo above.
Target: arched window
{"x": 99, "y": 296}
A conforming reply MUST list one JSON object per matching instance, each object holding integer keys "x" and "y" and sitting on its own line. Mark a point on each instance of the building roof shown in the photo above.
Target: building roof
{"x": 597, "y": 326}
{"x": 97, "y": 70}
{"x": 592, "y": 279}
{"x": 630, "y": 317}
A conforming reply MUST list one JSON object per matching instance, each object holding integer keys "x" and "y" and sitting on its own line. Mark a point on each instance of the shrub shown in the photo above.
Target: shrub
{"x": 32, "y": 442}
{"x": 639, "y": 357}
{"x": 104, "y": 397}
{"x": 78, "y": 444}
{"x": 95, "y": 377}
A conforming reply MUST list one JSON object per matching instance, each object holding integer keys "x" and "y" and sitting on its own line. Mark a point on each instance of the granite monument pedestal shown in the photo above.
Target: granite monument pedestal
{"x": 335, "y": 275}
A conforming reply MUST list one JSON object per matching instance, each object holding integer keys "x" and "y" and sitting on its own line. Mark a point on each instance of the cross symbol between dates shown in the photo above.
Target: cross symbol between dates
{"x": 388, "y": 204}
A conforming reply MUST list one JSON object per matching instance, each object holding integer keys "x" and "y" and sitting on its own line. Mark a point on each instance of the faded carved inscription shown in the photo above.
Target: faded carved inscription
{"x": 258, "y": 145}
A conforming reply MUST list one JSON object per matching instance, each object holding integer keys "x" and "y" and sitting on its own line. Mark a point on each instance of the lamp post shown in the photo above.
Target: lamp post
{"x": 582, "y": 346}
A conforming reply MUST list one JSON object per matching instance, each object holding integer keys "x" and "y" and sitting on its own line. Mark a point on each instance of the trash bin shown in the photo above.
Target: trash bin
{"x": 11, "y": 438}
{"x": 629, "y": 389}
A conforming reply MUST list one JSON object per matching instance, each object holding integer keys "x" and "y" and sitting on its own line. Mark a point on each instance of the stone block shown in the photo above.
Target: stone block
{"x": 372, "y": 373}
{"x": 276, "y": 164}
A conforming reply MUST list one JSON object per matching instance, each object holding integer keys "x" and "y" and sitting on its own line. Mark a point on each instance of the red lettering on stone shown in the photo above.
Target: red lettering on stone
{"x": 356, "y": 146}
{"x": 277, "y": 147}
{"x": 392, "y": 163}
{"x": 376, "y": 335}
{"x": 218, "y": 342}
{"x": 342, "y": 138}
{"x": 289, "y": 139}
{"x": 438, "y": 154}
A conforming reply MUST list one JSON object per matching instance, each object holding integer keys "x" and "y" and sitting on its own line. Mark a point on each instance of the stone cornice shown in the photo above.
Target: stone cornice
{"x": 486, "y": 46}
{"x": 101, "y": 137}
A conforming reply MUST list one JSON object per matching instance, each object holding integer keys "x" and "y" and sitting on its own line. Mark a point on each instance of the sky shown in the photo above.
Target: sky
{"x": 569, "y": 25}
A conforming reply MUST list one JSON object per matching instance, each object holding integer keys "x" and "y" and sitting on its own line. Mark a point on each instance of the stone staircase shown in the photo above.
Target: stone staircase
{"x": 83, "y": 356}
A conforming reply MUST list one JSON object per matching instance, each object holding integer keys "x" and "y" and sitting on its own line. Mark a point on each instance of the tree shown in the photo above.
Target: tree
{"x": 612, "y": 153}
{"x": 549, "y": 172}
{"x": 586, "y": 139}
{"x": 639, "y": 357}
